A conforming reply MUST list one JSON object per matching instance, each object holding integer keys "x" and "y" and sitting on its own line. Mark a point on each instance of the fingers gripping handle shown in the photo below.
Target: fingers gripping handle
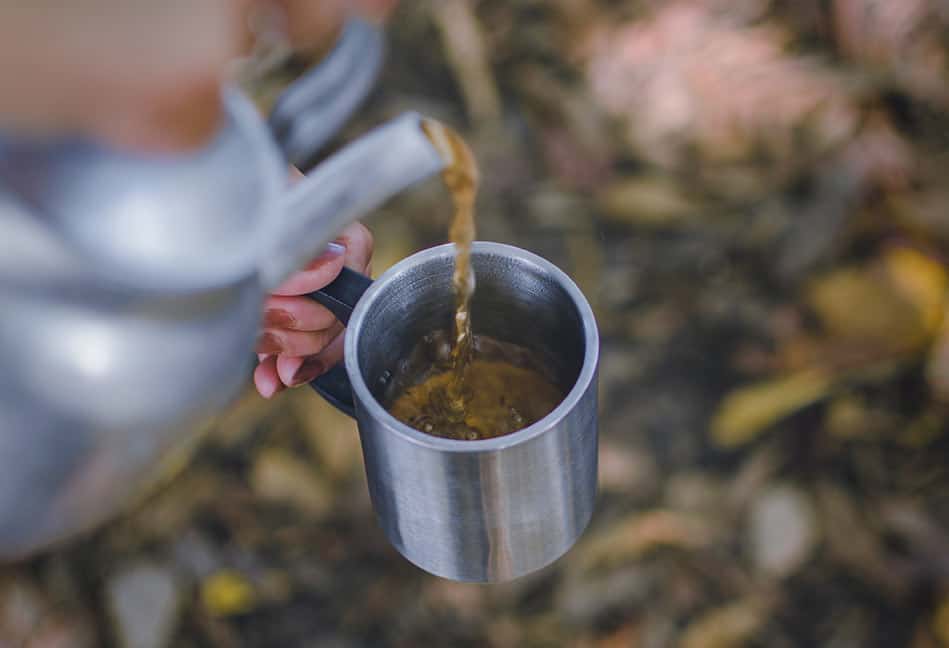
{"x": 340, "y": 297}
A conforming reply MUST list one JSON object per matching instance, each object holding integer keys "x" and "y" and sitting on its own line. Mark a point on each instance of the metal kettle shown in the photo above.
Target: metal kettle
{"x": 131, "y": 286}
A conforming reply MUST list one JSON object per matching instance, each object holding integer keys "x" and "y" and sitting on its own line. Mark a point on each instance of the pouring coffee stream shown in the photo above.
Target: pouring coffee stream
{"x": 461, "y": 178}
{"x": 484, "y": 392}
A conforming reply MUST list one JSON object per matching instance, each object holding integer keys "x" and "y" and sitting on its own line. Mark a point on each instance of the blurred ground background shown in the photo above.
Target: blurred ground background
{"x": 752, "y": 195}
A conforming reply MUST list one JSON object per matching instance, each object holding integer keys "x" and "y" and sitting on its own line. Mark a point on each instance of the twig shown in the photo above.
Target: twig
{"x": 463, "y": 41}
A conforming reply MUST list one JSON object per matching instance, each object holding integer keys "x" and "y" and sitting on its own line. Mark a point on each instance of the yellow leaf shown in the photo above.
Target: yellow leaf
{"x": 894, "y": 304}
{"x": 227, "y": 593}
{"x": 922, "y": 282}
{"x": 639, "y": 534}
{"x": 747, "y": 411}
{"x": 649, "y": 200}
{"x": 857, "y": 304}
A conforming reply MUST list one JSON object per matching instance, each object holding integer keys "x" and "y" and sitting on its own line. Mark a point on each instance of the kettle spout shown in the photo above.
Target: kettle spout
{"x": 349, "y": 184}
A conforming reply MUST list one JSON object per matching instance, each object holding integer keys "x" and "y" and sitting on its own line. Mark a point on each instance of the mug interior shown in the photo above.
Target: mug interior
{"x": 516, "y": 300}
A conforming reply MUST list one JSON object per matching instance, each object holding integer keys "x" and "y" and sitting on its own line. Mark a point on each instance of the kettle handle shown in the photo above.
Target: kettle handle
{"x": 340, "y": 297}
{"x": 316, "y": 106}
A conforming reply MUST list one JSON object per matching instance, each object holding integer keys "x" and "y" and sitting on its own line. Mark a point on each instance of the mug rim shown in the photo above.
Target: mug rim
{"x": 367, "y": 400}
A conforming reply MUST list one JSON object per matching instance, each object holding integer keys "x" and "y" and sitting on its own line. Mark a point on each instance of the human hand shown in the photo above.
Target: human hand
{"x": 301, "y": 339}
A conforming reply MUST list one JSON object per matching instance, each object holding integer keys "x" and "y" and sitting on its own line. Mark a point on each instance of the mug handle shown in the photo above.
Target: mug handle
{"x": 340, "y": 297}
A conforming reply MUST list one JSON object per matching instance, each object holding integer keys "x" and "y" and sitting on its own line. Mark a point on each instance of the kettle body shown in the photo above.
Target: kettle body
{"x": 131, "y": 290}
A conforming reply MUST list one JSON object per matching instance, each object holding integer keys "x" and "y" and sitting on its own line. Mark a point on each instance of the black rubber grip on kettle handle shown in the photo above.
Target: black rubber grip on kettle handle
{"x": 340, "y": 297}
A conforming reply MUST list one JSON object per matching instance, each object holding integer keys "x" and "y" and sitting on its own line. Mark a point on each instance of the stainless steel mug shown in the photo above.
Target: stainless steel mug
{"x": 488, "y": 510}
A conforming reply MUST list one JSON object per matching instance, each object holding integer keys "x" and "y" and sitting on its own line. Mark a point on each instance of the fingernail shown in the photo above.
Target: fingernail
{"x": 267, "y": 392}
{"x": 268, "y": 343}
{"x": 278, "y": 318}
{"x": 310, "y": 369}
{"x": 332, "y": 251}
